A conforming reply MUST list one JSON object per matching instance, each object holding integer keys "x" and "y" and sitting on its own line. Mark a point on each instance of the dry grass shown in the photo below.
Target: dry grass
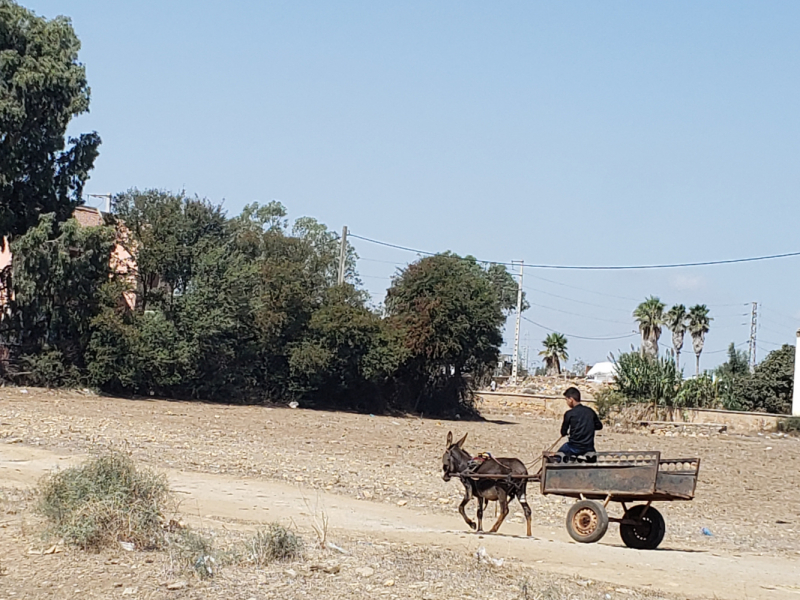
{"x": 275, "y": 543}
{"x": 191, "y": 551}
{"x": 105, "y": 500}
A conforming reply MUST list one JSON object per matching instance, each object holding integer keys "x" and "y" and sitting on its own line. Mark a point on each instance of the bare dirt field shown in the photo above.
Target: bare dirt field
{"x": 378, "y": 479}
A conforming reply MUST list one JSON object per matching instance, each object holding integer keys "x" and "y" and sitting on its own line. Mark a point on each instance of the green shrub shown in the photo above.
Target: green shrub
{"x": 640, "y": 378}
{"x": 276, "y": 543}
{"x": 50, "y": 370}
{"x": 790, "y": 425}
{"x": 699, "y": 392}
{"x": 105, "y": 500}
{"x": 609, "y": 400}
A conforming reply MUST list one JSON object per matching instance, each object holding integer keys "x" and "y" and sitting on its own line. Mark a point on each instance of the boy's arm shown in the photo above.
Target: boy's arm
{"x": 598, "y": 424}
{"x": 565, "y": 424}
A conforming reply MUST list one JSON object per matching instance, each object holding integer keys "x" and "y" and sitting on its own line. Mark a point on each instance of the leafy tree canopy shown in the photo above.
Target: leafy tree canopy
{"x": 736, "y": 365}
{"x": 42, "y": 87}
{"x": 769, "y": 388}
{"x": 58, "y": 273}
{"x": 451, "y": 317}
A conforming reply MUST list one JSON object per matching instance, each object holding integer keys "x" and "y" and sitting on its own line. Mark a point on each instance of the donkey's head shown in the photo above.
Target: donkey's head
{"x": 455, "y": 458}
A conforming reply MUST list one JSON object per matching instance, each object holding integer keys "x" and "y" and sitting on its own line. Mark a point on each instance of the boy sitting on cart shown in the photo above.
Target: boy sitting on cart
{"x": 580, "y": 423}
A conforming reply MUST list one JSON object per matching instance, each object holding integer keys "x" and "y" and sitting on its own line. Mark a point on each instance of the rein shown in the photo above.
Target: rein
{"x": 538, "y": 460}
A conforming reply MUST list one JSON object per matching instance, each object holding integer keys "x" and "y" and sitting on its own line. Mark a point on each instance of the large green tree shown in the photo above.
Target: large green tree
{"x": 650, "y": 317}
{"x": 340, "y": 359}
{"x": 42, "y": 87}
{"x": 450, "y": 316}
{"x": 506, "y": 288}
{"x": 737, "y": 364}
{"x": 59, "y": 272}
{"x": 768, "y": 388}
{"x": 168, "y": 233}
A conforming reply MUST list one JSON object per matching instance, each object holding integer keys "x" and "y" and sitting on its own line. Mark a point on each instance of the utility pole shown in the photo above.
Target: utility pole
{"x": 753, "y": 330}
{"x": 342, "y": 255}
{"x": 515, "y": 364}
{"x": 526, "y": 354}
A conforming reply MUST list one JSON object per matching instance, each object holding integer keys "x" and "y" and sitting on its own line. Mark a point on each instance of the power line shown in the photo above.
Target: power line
{"x": 561, "y": 283}
{"x": 726, "y": 349}
{"x": 566, "y": 312}
{"x": 762, "y": 326}
{"x": 772, "y": 343}
{"x": 375, "y": 260}
{"x": 780, "y": 314}
{"x": 580, "y": 337}
{"x": 600, "y": 268}
{"x": 530, "y": 289}
{"x": 374, "y": 277}
{"x": 582, "y": 289}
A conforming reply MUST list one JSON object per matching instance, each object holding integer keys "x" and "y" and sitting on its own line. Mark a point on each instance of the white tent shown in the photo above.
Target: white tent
{"x": 602, "y": 372}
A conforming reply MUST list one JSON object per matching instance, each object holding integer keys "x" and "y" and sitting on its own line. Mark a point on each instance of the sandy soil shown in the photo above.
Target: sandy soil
{"x": 378, "y": 479}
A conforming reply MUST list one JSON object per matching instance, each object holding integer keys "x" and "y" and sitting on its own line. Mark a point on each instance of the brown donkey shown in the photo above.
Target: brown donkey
{"x": 456, "y": 462}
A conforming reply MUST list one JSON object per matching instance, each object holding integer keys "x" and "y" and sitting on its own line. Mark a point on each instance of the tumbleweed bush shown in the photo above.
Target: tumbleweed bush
{"x": 105, "y": 500}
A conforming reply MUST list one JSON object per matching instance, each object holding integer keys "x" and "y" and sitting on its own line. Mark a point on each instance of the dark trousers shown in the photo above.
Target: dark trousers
{"x": 568, "y": 450}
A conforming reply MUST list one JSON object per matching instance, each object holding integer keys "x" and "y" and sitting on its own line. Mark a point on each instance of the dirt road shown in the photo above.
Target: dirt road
{"x": 239, "y": 501}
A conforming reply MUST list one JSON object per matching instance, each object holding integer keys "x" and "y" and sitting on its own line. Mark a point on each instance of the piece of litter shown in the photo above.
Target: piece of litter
{"x": 332, "y": 546}
{"x": 483, "y": 556}
{"x": 177, "y": 585}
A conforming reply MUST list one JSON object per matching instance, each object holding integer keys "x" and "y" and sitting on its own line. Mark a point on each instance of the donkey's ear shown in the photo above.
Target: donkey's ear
{"x": 460, "y": 442}
{"x": 449, "y": 438}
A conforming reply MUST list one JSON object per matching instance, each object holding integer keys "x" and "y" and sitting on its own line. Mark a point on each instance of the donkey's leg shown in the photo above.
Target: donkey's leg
{"x": 502, "y": 500}
{"x": 481, "y": 504}
{"x": 523, "y": 500}
{"x": 467, "y": 498}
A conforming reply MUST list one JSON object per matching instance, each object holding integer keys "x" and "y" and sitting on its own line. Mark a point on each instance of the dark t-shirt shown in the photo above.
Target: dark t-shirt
{"x": 581, "y": 422}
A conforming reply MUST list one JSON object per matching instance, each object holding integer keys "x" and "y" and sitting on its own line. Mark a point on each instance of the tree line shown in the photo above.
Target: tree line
{"x": 651, "y": 317}
{"x": 240, "y": 308}
{"x": 244, "y": 309}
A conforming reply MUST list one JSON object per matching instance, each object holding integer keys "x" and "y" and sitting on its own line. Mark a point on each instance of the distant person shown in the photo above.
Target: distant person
{"x": 493, "y": 385}
{"x": 580, "y": 423}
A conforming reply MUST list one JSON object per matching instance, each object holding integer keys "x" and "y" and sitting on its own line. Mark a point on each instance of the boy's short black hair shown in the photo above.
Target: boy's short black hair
{"x": 573, "y": 393}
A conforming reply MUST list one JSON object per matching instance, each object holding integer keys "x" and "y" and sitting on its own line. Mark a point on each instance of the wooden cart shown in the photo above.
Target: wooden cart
{"x": 624, "y": 477}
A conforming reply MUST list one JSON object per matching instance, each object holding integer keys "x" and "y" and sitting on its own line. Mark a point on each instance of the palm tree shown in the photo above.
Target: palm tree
{"x": 677, "y": 321}
{"x": 699, "y": 322}
{"x": 555, "y": 350}
{"x": 650, "y": 316}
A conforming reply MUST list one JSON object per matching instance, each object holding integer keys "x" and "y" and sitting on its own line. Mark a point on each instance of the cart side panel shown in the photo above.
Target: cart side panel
{"x": 614, "y": 473}
{"x": 677, "y": 477}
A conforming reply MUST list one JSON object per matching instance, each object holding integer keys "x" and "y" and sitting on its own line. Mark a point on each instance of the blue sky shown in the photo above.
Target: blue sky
{"x": 559, "y": 133}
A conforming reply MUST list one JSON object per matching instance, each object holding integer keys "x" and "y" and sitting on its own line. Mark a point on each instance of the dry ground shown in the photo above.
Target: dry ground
{"x": 747, "y": 497}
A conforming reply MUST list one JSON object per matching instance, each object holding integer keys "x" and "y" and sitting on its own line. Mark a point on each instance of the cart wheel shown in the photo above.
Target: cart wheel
{"x": 648, "y": 531}
{"x": 587, "y": 521}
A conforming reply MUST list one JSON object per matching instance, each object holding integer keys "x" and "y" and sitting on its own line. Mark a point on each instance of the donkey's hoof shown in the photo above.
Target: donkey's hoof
{"x": 472, "y": 526}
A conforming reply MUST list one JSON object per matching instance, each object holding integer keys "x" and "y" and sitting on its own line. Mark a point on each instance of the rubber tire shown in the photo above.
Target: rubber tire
{"x": 600, "y": 514}
{"x": 647, "y": 535}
